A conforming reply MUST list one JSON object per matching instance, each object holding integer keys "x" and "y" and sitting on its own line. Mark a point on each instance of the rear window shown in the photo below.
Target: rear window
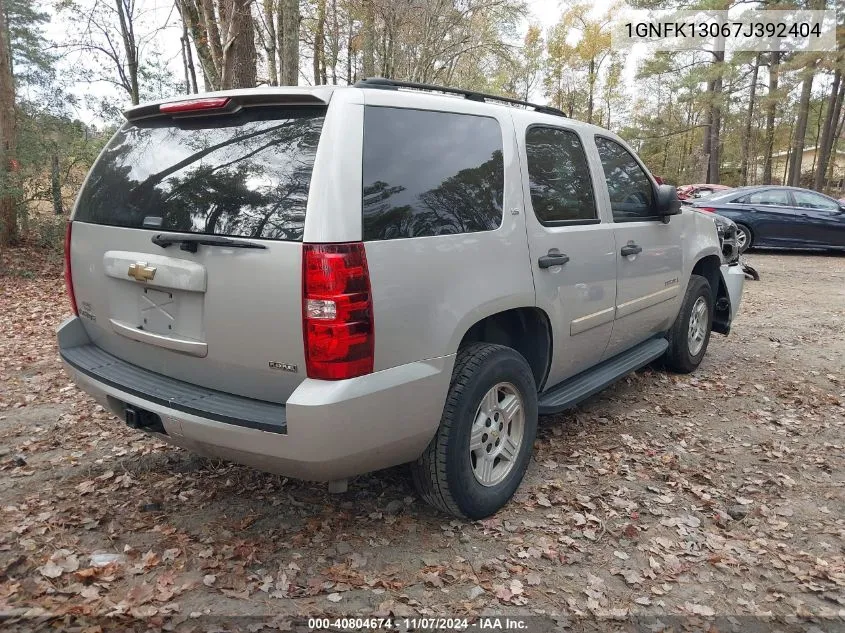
{"x": 243, "y": 175}
{"x": 430, "y": 173}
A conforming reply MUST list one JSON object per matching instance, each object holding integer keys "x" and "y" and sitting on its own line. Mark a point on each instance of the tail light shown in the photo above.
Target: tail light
{"x": 707, "y": 209}
{"x": 68, "y": 275}
{"x": 337, "y": 311}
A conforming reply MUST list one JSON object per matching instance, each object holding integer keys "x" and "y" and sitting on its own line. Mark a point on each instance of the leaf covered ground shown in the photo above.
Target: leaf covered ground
{"x": 718, "y": 494}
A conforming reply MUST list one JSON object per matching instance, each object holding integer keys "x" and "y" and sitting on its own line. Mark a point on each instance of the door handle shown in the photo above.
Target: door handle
{"x": 554, "y": 258}
{"x": 631, "y": 249}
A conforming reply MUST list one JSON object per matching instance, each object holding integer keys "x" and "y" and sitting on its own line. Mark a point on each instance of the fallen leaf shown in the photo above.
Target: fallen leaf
{"x": 700, "y": 609}
{"x": 432, "y": 578}
{"x": 51, "y": 570}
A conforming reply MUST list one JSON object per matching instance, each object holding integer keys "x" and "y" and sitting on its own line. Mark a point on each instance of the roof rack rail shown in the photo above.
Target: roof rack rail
{"x": 393, "y": 84}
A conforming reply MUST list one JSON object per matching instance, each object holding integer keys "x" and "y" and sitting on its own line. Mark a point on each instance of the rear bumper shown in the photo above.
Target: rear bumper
{"x": 326, "y": 430}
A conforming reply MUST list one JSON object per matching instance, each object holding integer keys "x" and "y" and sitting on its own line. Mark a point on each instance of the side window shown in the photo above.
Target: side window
{"x": 808, "y": 200}
{"x": 430, "y": 173}
{"x": 774, "y": 197}
{"x": 559, "y": 176}
{"x": 630, "y": 189}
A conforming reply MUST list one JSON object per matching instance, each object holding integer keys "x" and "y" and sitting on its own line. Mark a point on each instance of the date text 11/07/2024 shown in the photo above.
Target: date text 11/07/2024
{"x": 492, "y": 623}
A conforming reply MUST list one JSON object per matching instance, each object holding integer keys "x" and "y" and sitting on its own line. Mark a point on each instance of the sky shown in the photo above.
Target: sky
{"x": 166, "y": 43}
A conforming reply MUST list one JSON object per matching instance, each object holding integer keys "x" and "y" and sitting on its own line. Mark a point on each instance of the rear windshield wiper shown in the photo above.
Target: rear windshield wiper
{"x": 191, "y": 242}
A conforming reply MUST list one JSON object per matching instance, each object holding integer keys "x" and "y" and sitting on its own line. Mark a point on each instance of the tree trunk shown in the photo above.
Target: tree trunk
{"x": 186, "y": 46}
{"x": 706, "y": 147}
{"x": 239, "y": 59}
{"x": 797, "y": 149}
{"x": 840, "y": 128}
{"x": 288, "y": 42}
{"x": 192, "y": 16}
{"x": 368, "y": 50}
{"x": 56, "y": 184}
{"x": 823, "y": 151}
{"x": 785, "y": 177}
{"x": 211, "y": 21}
{"x": 771, "y": 110}
{"x": 817, "y": 138}
{"x": 192, "y": 71}
{"x": 8, "y": 139}
{"x": 591, "y": 80}
{"x": 130, "y": 48}
{"x": 271, "y": 45}
{"x": 319, "y": 44}
{"x": 713, "y": 164}
{"x": 349, "y": 63}
{"x": 749, "y": 118}
{"x": 335, "y": 41}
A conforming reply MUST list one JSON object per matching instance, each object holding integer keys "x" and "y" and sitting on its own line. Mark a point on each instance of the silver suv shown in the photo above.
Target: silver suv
{"x": 322, "y": 282}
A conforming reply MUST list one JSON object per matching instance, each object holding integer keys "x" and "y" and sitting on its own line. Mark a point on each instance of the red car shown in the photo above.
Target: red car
{"x": 687, "y": 192}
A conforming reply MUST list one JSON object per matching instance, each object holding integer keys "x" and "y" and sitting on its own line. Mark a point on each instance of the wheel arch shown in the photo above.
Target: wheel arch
{"x": 710, "y": 267}
{"x": 525, "y": 329}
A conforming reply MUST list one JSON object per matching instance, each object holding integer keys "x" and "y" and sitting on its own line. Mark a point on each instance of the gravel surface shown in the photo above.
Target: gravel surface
{"x": 678, "y": 500}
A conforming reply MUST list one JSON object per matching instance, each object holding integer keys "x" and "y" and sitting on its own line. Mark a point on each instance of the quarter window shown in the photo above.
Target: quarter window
{"x": 430, "y": 173}
{"x": 630, "y": 189}
{"x": 559, "y": 176}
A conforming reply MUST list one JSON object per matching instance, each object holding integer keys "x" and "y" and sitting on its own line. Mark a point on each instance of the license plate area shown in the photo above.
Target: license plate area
{"x": 157, "y": 311}
{"x": 162, "y": 311}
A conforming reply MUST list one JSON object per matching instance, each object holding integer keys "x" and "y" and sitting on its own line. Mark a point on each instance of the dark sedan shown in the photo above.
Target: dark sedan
{"x": 780, "y": 217}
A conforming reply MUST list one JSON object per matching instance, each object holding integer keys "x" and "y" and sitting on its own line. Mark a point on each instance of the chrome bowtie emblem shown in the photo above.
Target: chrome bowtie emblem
{"x": 140, "y": 271}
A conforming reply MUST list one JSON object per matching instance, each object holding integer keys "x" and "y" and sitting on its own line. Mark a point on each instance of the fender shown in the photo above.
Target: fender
{"x": 700, "y": 240}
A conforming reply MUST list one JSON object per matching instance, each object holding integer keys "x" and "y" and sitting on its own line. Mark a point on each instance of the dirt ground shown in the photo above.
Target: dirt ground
{"x": 672, "y": 499}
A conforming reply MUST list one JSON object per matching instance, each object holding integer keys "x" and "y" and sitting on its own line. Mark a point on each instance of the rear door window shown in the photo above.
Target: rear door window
{"x": 769, "y": 197}
{"x": 243, "y": 175}
{"x": 559, "y": 176}
{"x": 430, "y": 173}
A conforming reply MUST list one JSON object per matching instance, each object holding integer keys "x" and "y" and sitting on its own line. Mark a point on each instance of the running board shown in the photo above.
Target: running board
{"x": 573, "y": 390}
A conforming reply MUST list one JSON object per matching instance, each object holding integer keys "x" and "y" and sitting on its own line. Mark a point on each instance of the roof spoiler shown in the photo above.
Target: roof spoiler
{"x": 220, "y": 103}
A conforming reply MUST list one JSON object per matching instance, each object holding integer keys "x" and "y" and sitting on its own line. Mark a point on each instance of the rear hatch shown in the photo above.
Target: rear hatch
{"x": 186, "y": 245}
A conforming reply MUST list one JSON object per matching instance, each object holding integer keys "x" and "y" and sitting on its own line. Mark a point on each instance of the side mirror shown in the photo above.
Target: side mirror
{"x": 667, "y": 202}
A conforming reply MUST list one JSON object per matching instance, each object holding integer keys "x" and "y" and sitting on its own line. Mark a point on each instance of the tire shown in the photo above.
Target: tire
{"x": 685, "y": 355}
{"x": 449, "y": 475}
{"x": 743, "y": 233}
